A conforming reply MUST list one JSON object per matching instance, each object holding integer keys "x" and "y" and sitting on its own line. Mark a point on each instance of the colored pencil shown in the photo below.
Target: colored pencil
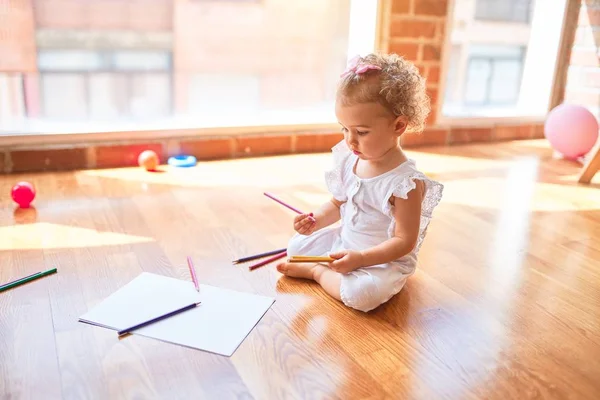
{"x": 286, "y": 205}
{"x": 26, "y": 279}
{"x": 261, "y": 255}
{"x": 282, "y": 203}
{"x": 297, "y": 259}
{"x": 268, "y": 260}
{"x": 193, "y": 273}
{"x": 159, "y": 318}
{"x": 18, "y": 280}
{"x": 298, "y": 256}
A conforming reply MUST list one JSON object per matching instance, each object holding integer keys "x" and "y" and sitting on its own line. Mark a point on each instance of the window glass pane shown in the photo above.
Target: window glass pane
{"x": 12, "y": 98}
{"x": 217, "y": 96}
{"x": 70, "y": 60}
{"x": 109, "y": 96}
{"x": 64, "y": 96}
{"x": 150, "y": 95}
{"x": 505, "y": 82}
{"x": 141, "y": 60}
{"x": 503, "y": 10}
{"x": 478, "y": 76}
{"x": 496, "y": 51}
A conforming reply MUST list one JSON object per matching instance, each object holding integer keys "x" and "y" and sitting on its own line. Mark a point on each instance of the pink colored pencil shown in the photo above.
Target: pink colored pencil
{"x": 268, "y": 260}
{"x": 193, "y": 273}
{"x": 283, "y": 204}
{"x": 286, "y": 205}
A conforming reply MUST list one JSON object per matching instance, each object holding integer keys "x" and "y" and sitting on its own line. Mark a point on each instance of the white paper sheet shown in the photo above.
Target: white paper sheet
{"x": 218, "y": 325}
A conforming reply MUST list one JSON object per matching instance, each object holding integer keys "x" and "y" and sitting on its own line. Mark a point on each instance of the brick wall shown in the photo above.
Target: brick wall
{"x": 583, "y": 81}
{"x": 417, "y": 32}
{"x": 17, "y": 38}
{"x": 108, "y": 155}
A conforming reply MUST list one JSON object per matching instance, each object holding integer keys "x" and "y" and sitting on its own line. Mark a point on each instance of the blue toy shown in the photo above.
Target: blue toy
{"x": 182, "y": 161}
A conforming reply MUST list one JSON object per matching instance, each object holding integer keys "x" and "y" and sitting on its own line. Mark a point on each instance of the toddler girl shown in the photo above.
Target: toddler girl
{"x": 383, "y": 201}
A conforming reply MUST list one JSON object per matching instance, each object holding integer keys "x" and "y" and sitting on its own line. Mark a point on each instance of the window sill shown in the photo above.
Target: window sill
{"x": 491, "y": 121}
{"x": 18, "y": 140}
{"x": 69, "y": 151}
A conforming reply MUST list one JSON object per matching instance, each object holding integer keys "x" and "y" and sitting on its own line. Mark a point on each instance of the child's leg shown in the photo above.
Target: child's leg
{"x": 328, "y": 279}
{"x": 364, "y": 289}
{"x": 317, "y": 244}
{"x": 367, "y": 288}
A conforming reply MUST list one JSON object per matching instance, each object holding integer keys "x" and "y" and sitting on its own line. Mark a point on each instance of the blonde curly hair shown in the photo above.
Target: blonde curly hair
{"x": 398, "y": 86}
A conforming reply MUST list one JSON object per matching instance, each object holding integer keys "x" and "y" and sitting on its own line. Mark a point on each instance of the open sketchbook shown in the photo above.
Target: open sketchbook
{"x": 218, "y": 325}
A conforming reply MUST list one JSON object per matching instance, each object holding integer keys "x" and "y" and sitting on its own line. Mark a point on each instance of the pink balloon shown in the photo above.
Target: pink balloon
{"x": 572, "y": 130}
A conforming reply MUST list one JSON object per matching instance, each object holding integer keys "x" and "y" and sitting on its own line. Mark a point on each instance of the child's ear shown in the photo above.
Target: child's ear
{"x": 400, "y": 124}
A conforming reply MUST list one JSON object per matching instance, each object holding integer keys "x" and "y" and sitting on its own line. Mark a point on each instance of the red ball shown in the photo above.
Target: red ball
{"x": 23, "y": 194}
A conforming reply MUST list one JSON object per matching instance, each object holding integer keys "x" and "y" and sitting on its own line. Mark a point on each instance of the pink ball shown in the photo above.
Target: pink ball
{"x": 572, "y": 130}
{"x": 23, "y": 194}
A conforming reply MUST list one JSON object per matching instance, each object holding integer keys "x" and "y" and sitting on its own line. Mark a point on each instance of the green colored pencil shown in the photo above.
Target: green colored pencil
{"x": 26, "y": 279}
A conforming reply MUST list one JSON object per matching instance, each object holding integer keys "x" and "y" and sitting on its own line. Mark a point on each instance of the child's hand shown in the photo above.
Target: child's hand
{"x": 305, "y": 224}
{"x": 346, "y": 261}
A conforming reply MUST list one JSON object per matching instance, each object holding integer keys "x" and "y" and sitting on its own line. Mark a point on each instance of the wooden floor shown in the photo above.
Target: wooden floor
{"x": 505, "y": 303}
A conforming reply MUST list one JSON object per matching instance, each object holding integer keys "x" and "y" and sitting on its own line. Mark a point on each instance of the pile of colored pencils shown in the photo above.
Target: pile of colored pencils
{"x": 276, "y": 255}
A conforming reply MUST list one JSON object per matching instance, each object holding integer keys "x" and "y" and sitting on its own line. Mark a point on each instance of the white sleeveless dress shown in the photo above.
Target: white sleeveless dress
{"x": 366, "y": 221}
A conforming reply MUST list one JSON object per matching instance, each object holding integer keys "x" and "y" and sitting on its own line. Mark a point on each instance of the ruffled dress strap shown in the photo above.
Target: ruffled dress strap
{"x": 401, "y": 185}
{"x": 336, "y": 176}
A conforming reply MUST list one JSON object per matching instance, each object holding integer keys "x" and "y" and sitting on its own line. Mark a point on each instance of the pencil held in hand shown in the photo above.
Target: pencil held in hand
{"x": 287, "y": 205}
{"x": 305, "y": 224}
{"x": 299, "y": 259}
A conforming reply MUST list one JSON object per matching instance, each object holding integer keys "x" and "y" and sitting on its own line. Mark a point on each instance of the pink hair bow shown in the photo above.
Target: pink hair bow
{"x": 353, "y": 67}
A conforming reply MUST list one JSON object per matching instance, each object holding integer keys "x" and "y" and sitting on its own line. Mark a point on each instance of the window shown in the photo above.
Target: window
{"x": 192, "y": 64}
{"x": 493, "y": 75}
{"x": 499, "y": 68}
{"x": 504, "y": 10}
{"x": 12, "y": 100}
{"x": 87, "y": 85}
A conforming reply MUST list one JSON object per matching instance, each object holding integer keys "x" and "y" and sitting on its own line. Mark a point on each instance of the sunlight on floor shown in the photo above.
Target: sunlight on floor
{"x": 278, "y": 171}
{"x": 497, "y": 193}
{"x": 251, "y": 172}
{"x": 52, "y": 236}
{"x": 534, "y": 144}
{"x": 436, "y": 163}
{"x": 482, "y": 190}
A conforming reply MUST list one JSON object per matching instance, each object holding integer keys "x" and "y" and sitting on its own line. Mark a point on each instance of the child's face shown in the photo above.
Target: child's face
{"x": 369, "y": 129}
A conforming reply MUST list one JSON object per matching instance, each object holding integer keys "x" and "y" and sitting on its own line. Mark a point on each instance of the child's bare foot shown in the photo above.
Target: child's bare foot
{"x": 297, "y": 270}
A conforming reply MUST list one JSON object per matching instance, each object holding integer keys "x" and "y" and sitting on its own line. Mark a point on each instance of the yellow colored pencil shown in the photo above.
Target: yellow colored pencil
{"x": 299, "y": 257}
{"x": 310, "y": 259}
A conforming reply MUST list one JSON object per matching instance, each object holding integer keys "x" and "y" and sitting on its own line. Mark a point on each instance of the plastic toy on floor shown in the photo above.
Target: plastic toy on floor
{"x": 23, "y": 194}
